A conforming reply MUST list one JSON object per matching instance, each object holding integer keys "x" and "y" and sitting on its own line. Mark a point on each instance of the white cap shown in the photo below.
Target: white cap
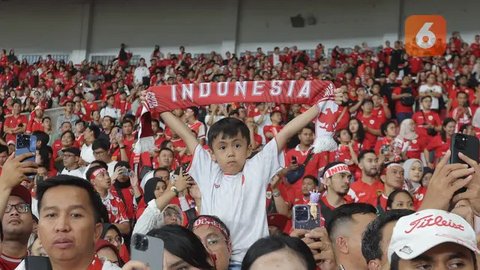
{"x": 415, "y": 234}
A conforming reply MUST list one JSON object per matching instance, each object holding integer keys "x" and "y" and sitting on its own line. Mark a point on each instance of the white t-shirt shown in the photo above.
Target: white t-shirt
{"x": 87, "y": 153}
{"x": 79, "y": 172}
{"x": 238, "y": 200}
{"x": 112, "y": 112}
{"x": 434, "y": 88}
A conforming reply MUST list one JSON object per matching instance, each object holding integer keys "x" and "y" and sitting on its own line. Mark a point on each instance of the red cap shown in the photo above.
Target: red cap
{"x": 277, "y": 220}
{"x": 23, "y": 193}
{"x": 101, "y": 243}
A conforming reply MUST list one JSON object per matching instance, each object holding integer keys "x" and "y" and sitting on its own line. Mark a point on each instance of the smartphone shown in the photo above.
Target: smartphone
{"x": 26, "y": 144}
{"x": 303, "y": 219}
{"x": 467, "y": 145}
{"x": 147, "y": 249}
{"x": 294, "y": 160}
{"x": 37, "y": 263}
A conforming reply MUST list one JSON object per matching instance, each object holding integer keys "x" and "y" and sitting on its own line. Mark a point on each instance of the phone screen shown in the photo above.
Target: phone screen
{"x": 303, "y": 218}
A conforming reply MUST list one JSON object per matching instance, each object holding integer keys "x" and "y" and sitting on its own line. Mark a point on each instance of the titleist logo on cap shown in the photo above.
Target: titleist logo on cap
{"x": 432, "y": 221}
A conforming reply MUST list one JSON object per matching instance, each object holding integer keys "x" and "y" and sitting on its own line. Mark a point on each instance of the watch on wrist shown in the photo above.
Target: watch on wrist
{"x": 276, "y": 193}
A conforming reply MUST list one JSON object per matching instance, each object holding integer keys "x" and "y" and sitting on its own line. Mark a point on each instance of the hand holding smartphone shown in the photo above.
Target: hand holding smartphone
{"x": 148, "y": 249}
{"x": 467, "y": 145}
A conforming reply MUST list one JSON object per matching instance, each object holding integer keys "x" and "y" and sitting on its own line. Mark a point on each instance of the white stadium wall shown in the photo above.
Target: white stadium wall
{"x": 85, "y": 28}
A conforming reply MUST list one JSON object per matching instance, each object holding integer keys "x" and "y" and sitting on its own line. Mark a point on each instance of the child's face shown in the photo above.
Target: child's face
{"x": 230, "y": 153}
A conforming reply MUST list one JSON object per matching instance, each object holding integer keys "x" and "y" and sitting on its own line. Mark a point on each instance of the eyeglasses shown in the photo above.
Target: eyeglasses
{"x": 20, "y": 207}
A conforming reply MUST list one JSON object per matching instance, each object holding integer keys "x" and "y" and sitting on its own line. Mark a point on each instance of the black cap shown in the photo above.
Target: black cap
{"x": 73, "y": 150}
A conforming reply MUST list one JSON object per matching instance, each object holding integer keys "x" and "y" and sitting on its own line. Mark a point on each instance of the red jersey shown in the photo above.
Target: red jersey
{"x": 380, "y": 114}
{"x": 372, "y": 122}
{"x": 418, "y": 196}
{"x": 416, "y": 147}
{"x": 8, "y": 263}
{"x": 34, "y": 124}
{"x": 13, "y": 122}
{"x": 399, "y": 107}
{"x": 439, "y": 146}
{"x": 422, "y": 119}
{"x": 199, "y": 129}
{"x": 117, "y": 212}
{"x": 367, "y": 193}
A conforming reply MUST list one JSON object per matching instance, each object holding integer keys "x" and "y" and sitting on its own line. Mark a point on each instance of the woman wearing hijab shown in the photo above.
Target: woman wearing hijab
{"x": 413, "y": 172}
{"x": 415, "y": 144}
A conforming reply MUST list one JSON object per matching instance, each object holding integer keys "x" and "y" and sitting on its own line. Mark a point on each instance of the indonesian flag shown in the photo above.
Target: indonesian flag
{"x": 145, "y": 141}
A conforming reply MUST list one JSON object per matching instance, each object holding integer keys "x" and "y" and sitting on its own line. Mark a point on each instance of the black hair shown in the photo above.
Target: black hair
{"x": 464, "y": 127}
{"x": 383, "y": 128}
{"x": 42, "y": 137}
{"x": 443, "y": 133}
{"x": 309, "y": 126}
{"x": 371, "y": 248}
{"x": 184, "y": 244}
{"x": 45, "y": 152}
{"x": 363, "y": 153}
{"x": 127, "y": 121}
{"x": 165, "y": 169}
{"x": 215, "y": 218}
{"x": 99, "y": 163}
{"x": 122, "y": 163}
{"x": 228, "y": 127}
{"x": 69, "y": 132}
{"x": 91, "y": 170}
{"x": 101, "y": 144}
{"x": 424, "y": 97}
{"x": 166, "y": 149}
{"x": 337, "y": 136}
{"x": 3, "y": 148}
{"x": 107, "y": 227}
{"x": 164, "y": 144}
{"x": 394, "y": 194}
{"x": 360, "y": 131}
{"x": 314, "y": 179}
{"x": 95, "y": 129}
{"x": 99, "y": 209}
{"x": 46, "y": 117}
{"x": 367, "y": 100}
{"x": 426, "y": 170}
{"x": 149, "y": 188}
{"x": 344, "y": 214}
{"x": 271, "y": 244}
{"x": 80, "y": 121}
{"x": 195, "y": 111}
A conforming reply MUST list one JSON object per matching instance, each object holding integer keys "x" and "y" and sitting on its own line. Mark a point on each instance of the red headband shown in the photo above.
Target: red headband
{"x": 211, "y": 222}
{"x": 339, "y": 168}
{"x": 97, "y": 172}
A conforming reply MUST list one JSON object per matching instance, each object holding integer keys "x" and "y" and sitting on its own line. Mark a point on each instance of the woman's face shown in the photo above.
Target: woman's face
{"x": 67, "y": 140}
{"x": 215, "y": 243}
{"x": 159, "y": 189}
{"x": 426, "y": 179}
{"x": 345, "y": 136}
{"x": 107, "y": 253}
{"x": 402, "y": 201}
{"x": 113, "y": 238}
{"x": 280, "y": 259}
{"x": 450, "y": 128}
{"x": 391, "y": 130}
{"x": 353, "y": 126}
{"x": 415, "y": 173}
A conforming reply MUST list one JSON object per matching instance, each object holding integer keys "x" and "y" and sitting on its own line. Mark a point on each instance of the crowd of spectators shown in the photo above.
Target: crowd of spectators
{"x": 398, "y": 115}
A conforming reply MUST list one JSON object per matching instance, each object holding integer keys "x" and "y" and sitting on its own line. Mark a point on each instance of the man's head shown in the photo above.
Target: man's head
{"x": 100, "y": 149}
{"x": 435, "y": 239}
{"x": 71, "y": 157}
{"x": 345, "y": 229}
{"x": 307, "y": 135}
{"x": 17, "y": 221}
{"x": 165, "y": 157}
{"x": 17, "y": 106}
{"x": 376, "y": 238}
{"x": 367, "y": 106}
{"x": 99, "y": 178}
{"x": 91, "y": 133}
{"x": 69, "y": 106}
{"x": 394, "y": 177}
{"x": 337, "y": 177}
{"x": 127, "y": 127}
{"x": 229, "y": 140}
{"x": 162, "y": 173}
{"x": 108, "y": 122}
{"x": 368, "y": 163}
{"x": 66, "y": 126}
{"x": 71, "y": 216}
{"x": 309, "y": 183}
{"x": 79, "y": 126}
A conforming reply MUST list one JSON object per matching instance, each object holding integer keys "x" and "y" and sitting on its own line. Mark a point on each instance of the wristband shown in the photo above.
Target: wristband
{"x": 175, "y": 190}
{"x": 276, "y": 193}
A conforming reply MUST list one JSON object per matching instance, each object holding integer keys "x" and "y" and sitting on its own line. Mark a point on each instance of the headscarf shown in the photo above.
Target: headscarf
{"x": 405, "y": 133}
{"x": 411, "y": 186}
{"x": 149, "y": 189}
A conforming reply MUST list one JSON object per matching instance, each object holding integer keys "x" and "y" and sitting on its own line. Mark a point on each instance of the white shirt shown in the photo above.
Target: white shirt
{"x": 238, "y": 200}
{"x": 111, "y": 167}
{"x": 434, "y": 88}
{"x": 87, "y": 153}
{"x": 139, "y": 73}
{"x": 151, "y": 218}
{"x": 79, "y": 172}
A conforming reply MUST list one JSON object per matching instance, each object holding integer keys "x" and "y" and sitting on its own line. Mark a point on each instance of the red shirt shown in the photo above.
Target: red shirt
{"x": 425, "y": 118}
{"x": 418, "y": 196}
{"x": 272, "y": 129}
{"x": 34, "y": 124}
{"x": 13, "y": 122}
{"x": 367, "y": 193}
{"x": 117, "y": 212}
{"x": 316, "y": 163}
{"x": 372, "y": 122}
{"x": 416, "y": 147}
{"x": 439, "y": 146}
{"x": 399, "y": 107}
{"x": 380, "y": 114}
{"x": 8, "y": 263}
